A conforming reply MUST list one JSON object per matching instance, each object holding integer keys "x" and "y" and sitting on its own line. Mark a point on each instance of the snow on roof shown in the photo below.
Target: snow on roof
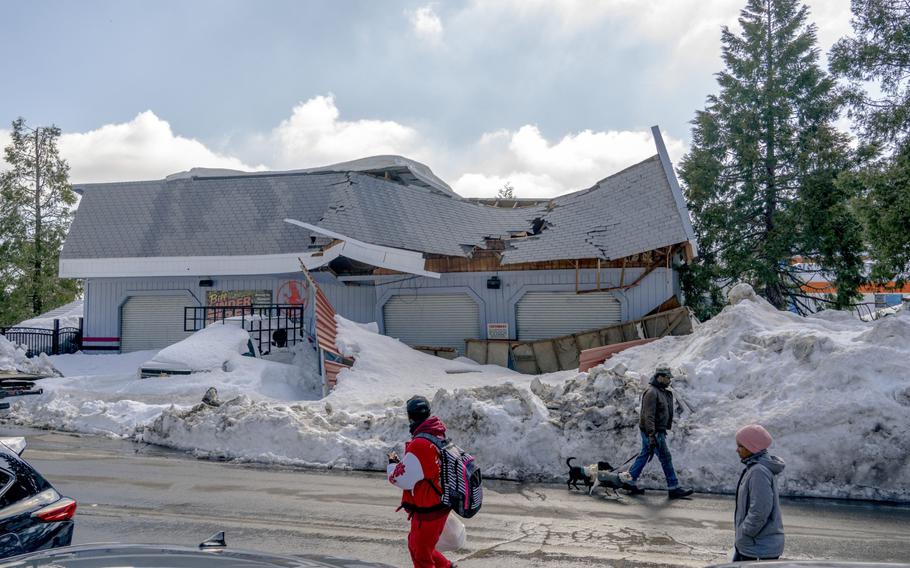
{"x": 68, "y": 314}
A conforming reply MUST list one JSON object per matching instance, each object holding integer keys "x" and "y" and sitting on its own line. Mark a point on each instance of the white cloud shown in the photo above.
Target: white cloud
{"x": 427, "y": 25}
{"x": 314, "y": 135}
{"x": 143, "y": 148}
{"x": 538, "y": 167}
{"x": 686, "y": 33}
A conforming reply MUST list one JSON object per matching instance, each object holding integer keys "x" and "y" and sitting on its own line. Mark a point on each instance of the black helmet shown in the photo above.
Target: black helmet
{"x": 418, "y": 410}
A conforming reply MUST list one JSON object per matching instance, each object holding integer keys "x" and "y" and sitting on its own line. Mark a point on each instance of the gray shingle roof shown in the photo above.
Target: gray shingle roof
{"x": 378, "y": 212}
{"x": 198, "y": 216}
{"x": 633, "y": 211}
{"x": 627, "y": 213}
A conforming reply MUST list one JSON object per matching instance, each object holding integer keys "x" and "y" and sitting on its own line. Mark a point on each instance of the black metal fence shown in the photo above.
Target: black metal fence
{"x": 55, "y": 341}
{"x": 270, "y": 326}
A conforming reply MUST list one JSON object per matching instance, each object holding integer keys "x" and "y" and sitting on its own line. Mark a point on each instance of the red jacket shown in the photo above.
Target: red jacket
{"x": 417, "y": 474}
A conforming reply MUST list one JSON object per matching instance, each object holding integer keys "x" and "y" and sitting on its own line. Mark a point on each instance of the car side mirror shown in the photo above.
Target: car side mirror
{"x": 17, "y": 444}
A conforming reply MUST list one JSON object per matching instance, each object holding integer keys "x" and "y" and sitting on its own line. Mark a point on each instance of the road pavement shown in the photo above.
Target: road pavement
{"x": 130, "y": 492}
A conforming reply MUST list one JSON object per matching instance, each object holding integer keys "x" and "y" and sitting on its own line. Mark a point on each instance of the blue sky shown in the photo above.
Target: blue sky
{"x": 550, "y": 95}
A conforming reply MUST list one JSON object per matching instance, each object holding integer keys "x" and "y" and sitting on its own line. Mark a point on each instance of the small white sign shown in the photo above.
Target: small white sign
{"x": 497, "y": 331}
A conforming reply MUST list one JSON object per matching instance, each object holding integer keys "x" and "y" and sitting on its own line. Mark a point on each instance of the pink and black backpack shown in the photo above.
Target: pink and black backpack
{"x": 462, "y": 483}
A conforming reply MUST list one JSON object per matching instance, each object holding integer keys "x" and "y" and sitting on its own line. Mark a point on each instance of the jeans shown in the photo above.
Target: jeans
{"x": 663, "y": 454}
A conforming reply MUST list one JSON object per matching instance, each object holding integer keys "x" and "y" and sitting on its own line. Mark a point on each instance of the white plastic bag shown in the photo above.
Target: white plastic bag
{"x": 453, "y": 535}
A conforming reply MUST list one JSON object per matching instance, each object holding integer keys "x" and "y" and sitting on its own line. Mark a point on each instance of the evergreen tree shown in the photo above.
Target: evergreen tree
{"x": 761, "y": 177}
{"x": 885, "y": 208}
{"x": 879, "y": 54}
{"x": 35, "y": 211}
{"x": 506, "y": 191}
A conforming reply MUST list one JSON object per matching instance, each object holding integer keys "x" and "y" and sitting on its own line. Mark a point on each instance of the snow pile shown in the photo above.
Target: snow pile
{"x": 103, "y": 394}
{"x": 831, "y": 389}
{"x": 357, "y": 424}
{"x": 207, "y": 349}
{"x": 68, "y": 315}
{"x": 13, "y": 360}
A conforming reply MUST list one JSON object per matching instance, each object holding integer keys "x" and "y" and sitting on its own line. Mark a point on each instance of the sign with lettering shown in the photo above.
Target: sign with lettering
{"x": 497, "y": 331}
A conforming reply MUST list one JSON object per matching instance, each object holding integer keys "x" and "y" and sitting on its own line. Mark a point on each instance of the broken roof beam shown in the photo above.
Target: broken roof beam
{"x": 375, "y": 255}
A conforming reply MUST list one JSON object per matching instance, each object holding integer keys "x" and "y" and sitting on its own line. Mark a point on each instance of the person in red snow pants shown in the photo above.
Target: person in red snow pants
{"x": 417, "y": 475}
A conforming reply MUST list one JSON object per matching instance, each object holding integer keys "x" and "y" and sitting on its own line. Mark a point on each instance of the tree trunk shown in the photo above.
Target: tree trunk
{"x": 37, "y": 264}
{"x": 773, "y": 291}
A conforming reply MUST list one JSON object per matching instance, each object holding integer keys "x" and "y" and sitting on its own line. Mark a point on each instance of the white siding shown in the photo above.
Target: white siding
{"x": 105, "y": 296}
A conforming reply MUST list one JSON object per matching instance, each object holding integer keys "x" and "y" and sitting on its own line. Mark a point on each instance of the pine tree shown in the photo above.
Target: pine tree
{"x": 761, "y": 176}
{"x": 35, "y": 211}
{"x": 506, "y": 191}
{"x": 879, "y": 54}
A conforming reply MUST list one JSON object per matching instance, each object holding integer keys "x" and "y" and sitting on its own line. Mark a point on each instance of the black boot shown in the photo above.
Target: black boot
{"x": 633, "y": 489}
{"x": 679, "y": 492}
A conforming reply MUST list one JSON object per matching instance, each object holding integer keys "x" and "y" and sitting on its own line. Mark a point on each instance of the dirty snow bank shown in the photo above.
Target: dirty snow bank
{"x": 13, "y": 360}
{"x": 357, "y": 423}
{"x": 103, "y": 394}
{"x": 833, "y": 391}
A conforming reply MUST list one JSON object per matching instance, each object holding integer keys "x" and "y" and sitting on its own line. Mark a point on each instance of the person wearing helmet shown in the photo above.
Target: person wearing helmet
{"x": 417, "y": 475}
{"x": 655, "y": 421}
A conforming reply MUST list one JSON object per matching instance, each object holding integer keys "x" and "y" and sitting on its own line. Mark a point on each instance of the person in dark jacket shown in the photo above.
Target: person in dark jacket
{"x": 417, "y": 475}
{"x": 758, "y": 522}
{"x": 655, "y": 421}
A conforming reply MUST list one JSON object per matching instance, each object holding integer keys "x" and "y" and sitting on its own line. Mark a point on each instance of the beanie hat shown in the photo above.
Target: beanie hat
{"x": 663, "y": 369}
{"x": 754, "y": 438}
{"x": 418, "y": 409}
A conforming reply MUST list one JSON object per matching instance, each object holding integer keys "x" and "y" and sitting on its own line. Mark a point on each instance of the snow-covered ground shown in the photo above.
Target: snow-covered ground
{"x": 832, "y": 389}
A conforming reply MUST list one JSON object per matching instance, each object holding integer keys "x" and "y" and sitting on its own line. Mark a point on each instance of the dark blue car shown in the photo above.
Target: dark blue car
{"x": 33, "y": 516}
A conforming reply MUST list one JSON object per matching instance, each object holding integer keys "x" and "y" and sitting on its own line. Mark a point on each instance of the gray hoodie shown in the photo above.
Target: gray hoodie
{"x": 759, "y": 528}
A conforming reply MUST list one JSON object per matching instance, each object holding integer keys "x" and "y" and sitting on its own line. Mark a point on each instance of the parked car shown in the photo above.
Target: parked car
{"x": 809, "y": 564}
{"x": 33, "y": 516}
{"x": 212, "y": 553}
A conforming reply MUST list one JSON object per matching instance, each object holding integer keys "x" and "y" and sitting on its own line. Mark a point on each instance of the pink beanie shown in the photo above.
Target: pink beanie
{"x": 754, "y": 438}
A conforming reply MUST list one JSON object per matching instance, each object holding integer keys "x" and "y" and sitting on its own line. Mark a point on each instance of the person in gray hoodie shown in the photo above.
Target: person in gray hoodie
{"x": 758, "y": 522}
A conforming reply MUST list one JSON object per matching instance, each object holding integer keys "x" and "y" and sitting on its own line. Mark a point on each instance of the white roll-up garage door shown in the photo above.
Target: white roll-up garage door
{"x": 152, "y": 322}
{"x": 436, "y": 320}
{"x": 541, "y": 315}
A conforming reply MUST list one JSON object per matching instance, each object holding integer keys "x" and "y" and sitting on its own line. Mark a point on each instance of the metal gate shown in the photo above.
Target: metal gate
{"x": 152, "y": 322}
{"x": 542, "y": 315}
{"x": 436, "y": 320}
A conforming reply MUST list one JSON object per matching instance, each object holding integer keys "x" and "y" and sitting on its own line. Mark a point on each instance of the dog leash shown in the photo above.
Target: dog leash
{"x": 635, "y": 455}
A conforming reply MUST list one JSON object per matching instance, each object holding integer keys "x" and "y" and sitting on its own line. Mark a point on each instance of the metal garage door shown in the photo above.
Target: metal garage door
{"x": 152, "y": 322}
{"x": 541, "y": 315}
{"x": 437, "y": 320}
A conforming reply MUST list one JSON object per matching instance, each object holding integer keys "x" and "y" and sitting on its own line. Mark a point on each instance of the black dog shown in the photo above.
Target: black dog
{"x": 576, "y": 474}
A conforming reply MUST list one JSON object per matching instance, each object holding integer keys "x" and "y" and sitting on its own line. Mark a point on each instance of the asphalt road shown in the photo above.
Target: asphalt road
{"x": 139, "y": 493}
